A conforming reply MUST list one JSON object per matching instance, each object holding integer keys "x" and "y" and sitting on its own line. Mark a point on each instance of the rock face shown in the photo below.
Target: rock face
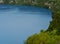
{"x": 1, "y": 1}
{"x": 18, "y": 1}
{"x": 12, "y": 2}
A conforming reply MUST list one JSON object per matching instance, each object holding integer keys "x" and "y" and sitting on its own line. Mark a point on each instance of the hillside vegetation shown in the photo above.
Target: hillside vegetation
{"x": 52, "y": 34}
{"x": 44, "y": 38}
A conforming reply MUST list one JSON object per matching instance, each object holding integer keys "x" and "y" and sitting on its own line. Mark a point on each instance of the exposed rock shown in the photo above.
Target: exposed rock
{"x": 1, "y": 1}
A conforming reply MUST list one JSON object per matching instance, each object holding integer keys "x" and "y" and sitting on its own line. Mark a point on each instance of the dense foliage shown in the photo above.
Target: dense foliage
{"x": 44, "y": 38}
{"x": 55, "y": 23}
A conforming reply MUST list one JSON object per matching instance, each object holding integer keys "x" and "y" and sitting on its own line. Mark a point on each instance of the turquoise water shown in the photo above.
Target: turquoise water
{"x": 19, "y": 22}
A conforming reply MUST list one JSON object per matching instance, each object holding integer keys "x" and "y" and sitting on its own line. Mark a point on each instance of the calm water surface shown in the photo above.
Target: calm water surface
{"x": 19, "y": 22}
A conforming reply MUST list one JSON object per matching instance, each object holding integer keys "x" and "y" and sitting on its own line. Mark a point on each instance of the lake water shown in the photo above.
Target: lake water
{"x": 19, "y": 22}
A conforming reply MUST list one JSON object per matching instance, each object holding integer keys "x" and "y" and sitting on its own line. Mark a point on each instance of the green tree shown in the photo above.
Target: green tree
{"x": 6, "y": 1}
{"x": 44, "y": 38}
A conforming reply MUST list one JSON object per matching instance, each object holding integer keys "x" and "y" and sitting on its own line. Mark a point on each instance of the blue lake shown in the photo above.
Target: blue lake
{"x": 17, "y": 23}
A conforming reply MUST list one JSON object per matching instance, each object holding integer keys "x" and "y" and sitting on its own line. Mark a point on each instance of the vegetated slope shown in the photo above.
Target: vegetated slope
{"x": 52, "y": 34}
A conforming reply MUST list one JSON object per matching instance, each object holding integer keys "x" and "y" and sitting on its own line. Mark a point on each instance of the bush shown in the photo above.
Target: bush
{"x": 44, "y": 38}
